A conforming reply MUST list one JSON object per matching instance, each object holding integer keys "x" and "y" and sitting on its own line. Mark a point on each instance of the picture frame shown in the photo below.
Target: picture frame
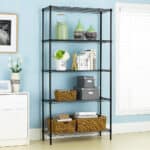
{"x": 8, "y": 33}
{"x": 5, "y": 86}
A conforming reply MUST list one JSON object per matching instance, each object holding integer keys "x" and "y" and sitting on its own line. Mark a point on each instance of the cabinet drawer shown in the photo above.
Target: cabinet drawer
{"x": 13, "y": 117}
{"x": 13, "y": 102}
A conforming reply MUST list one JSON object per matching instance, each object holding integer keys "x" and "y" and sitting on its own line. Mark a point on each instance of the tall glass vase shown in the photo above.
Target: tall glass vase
{"x": 61, "y": 27}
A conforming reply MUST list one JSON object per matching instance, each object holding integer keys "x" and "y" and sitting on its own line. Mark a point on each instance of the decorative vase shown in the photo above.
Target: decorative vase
{"x": 91, "y": 34}
{"x": 15, "y": 81}
{"x": 61, "y": 28}
{"x": 61, "y": 65}
{"x": 79, "y": 32}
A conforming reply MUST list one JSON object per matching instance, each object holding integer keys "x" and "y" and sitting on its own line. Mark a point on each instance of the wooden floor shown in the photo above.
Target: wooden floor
{"x": 135, "y": 141}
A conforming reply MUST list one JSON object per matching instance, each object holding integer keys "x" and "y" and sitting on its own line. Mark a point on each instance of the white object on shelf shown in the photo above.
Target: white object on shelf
{"x": 86, "y": 60}
{"x": 61, "y": 65}
{"x": 14, "y": 119}
{"x": 86, "y": 116}
{"x": 85, "y": 113}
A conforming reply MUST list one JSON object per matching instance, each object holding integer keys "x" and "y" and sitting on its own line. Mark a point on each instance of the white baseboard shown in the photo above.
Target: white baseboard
{"x": 117, "y": 128}
{"x": 131, "y": 127}
{"x": 35, "y": 134}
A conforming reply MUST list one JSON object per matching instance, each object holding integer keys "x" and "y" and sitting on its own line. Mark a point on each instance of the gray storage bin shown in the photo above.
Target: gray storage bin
{"x": 88, "y": 93}
{"x": 85, "y": 82}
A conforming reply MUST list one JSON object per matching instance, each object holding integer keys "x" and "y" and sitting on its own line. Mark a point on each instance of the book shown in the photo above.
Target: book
{"x": 86, "y": 116}
{"x": 86, "y": 60}
{"x": 85, "y": 113}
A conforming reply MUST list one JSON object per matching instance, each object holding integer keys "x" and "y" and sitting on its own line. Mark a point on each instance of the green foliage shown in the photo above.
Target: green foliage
{"x": 16, "y": 69}
{"x": 59, "y": 54}
{"x": 15, "y": 64}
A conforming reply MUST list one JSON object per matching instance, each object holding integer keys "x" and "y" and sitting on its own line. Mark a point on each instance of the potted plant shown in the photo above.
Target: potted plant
{"x": 61, "y": 57}
{"x": 91, "y": 34}
{"x": 79, "y": 31}
{"x": 15, "y": 65}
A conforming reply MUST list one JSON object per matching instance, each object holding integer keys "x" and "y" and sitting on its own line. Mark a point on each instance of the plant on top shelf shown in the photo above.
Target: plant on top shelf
{"x": 61, "y": 57}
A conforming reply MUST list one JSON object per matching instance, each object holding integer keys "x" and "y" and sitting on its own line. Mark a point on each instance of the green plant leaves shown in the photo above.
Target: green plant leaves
{"x": 59, "y": 54}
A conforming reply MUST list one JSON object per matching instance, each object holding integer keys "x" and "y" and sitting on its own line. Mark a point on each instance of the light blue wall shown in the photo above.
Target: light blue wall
{"x": 29, "y": 13}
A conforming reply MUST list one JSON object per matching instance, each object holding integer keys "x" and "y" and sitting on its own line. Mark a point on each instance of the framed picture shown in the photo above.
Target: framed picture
{"x": 8, "y": 33}
{"x": 5, "y": 86}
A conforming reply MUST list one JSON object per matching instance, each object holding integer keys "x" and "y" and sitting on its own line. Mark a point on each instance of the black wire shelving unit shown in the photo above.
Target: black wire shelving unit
{"x": 50, "y": 71}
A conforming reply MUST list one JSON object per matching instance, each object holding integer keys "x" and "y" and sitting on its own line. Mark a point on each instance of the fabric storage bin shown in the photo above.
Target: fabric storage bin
{"x": 85, "y": 82}
{"x": 65, "y": 95}
{"x": 88, "y": 93}
{"x": 91, "y": 124}
{"x": 62, "y": 127}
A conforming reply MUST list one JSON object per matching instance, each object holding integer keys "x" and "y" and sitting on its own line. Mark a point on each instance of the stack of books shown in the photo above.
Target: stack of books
{"x": 86, "y": 60}
{"x": 85, "y": 115}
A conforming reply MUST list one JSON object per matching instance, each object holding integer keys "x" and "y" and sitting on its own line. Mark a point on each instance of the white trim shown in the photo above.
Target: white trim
{"x": 117, "y": 128}
{"x": 15, "y": 93}
{"x": 131, "y": 127}
{"x": 28, "y": 117}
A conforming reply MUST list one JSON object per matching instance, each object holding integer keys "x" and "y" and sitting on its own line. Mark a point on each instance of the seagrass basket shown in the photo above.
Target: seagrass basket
{"x": 91, "y": 124}
{"x": 65, "y": 95}
{"x": 62, "y": 127}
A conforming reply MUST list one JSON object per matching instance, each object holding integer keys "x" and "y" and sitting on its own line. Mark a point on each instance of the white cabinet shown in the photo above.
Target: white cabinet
{"x": 14, "y": 119}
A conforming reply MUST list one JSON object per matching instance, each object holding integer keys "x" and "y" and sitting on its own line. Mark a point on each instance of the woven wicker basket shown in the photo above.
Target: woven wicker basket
{"x": 62, "y": 95}
{"x": 91, "y": 124}
{"x": 62, "y": 127}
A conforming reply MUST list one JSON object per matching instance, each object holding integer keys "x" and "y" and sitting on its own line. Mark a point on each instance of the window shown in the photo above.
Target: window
{"x": 132, "y": 59}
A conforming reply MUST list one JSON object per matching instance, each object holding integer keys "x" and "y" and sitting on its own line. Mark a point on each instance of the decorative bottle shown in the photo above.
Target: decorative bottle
{"x": 61, "y": 28}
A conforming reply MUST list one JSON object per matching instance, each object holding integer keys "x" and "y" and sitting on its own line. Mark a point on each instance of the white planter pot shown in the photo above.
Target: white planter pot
{"x": 15, "y": 81}
{"x": 15, "y": 76}
{"x": 15, "y": 87}
{"x": 61, "y": 65}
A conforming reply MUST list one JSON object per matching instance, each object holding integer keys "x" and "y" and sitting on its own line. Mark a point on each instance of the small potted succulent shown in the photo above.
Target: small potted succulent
{"x": 91, "y": 34}
{"x": 79, "y": 32}
{"x": 61, "y": 57}
{"x": 15, "y": 65}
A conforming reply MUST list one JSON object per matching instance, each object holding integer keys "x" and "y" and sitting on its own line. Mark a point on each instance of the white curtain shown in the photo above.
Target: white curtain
{"x": 132, "y": 59}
